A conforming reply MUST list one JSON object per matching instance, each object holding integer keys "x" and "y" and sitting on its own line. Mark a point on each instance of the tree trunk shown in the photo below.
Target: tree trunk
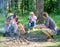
{"x": 59, "y": 3}
{"x": 3, "y": 9}
{"x": 58, "y": 7}
{"x": 7, "y": 8}
{"x": 10, "y": 9}
{"x": 39, "y": 10}
{"x": 22, "y": 7}
{"x": 19, "y": 5}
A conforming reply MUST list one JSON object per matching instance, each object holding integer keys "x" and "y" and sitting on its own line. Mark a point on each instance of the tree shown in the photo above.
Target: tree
{"x": 59, "y": 2}
{"x": 58, "y": 7}
{"x": 27, "y": 6}
{"x": 19, "y": 5}
{"x": 50, "y": 5}
{"x": 39, "y": 10}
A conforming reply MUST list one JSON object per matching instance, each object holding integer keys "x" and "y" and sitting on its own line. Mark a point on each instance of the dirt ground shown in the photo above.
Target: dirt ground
{"x": 29, "y": 42}
{"x": 32, "y": 44}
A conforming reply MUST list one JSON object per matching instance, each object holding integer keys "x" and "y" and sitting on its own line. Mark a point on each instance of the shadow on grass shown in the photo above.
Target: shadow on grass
{"x": 54, "y": 46}
{"x": 1, "y": 34}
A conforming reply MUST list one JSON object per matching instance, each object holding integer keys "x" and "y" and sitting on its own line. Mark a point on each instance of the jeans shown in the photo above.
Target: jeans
{"x": 32, "y": 24}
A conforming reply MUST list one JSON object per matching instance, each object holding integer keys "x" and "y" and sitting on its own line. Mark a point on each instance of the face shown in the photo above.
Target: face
{"x": 16, "y": 16}
{"x": 44, "y": 17}
{"x": 32, "y": 15}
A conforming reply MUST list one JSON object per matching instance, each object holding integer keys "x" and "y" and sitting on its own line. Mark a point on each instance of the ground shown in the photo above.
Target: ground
{"x": 5, "y": 43}
{"x": 36, "y": 36}
{"x": 32, "y": 44}
{"x": 33, "y": 40}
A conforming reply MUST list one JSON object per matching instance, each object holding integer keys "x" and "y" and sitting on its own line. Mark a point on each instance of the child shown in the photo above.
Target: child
{"x": 21, "y": 28}
{"x": 32, "y": 21}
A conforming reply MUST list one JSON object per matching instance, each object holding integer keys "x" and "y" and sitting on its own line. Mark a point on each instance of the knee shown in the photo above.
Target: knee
{"x": 29, "y": 24}
{"x": 43, "y": 30}
{"x": 33, "y": 23}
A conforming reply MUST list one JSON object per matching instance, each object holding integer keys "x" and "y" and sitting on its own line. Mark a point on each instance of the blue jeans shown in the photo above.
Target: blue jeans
{"x": 11, "y": 28}
{"x": 32, "y": 24}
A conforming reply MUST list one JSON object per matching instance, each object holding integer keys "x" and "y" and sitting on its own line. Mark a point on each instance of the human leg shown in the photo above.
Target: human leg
{"x": 48, "y": 32}
{"x": 29, "y": 26}
{"x": 33, "y": 24}
{"x": 22, "y": 29}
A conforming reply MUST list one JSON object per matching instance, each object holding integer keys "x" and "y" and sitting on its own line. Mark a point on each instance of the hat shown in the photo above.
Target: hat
{"x": 10, "y": 14}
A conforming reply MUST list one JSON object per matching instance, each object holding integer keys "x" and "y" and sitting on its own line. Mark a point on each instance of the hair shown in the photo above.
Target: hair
{"x": 10, "y": 11}
{"x": 18, "y": 22}
{"x": 16, "y": 19}
{"x": 14, "y": 16}
{"x": 45, "y": 14}
{"x": 32, "y": 13}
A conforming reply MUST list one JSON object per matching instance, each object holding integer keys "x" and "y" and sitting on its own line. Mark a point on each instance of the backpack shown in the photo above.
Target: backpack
{"x": 58, "y": 31}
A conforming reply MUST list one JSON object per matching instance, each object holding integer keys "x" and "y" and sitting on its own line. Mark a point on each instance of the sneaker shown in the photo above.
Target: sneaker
{"x": 28, "y": 31}
{"x": 52, "y": 36}
{"x": 33, "y": 29}
{"x": 49, "y": 40}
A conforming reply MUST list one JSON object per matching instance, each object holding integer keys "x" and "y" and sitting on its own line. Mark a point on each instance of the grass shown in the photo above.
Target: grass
{"x": 2, "y": 20}
{"x": 1, "y": 34}
{"x": 24, "y": 21}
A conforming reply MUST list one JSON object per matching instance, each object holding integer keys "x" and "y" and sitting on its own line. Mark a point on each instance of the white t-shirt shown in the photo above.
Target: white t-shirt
{"x": 33, "y": 18}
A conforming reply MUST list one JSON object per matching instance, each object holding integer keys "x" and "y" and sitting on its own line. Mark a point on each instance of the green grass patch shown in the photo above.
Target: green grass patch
{"x": 24, "y": 20}
{"x": 2, "y": 20}
{"x": 1, "y": 34}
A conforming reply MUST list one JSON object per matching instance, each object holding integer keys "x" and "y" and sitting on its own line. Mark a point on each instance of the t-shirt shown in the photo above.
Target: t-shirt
{"x": 49, "y": 22}
{"x": 32, "y": 18}
{"x": 13, "y": 21}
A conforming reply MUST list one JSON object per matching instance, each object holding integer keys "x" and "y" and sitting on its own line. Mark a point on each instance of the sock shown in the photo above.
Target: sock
{"x": 28, "y": 30}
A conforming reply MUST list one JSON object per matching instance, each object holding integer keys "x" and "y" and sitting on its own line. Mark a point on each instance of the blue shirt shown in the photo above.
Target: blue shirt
{"x": 49, "y": 22}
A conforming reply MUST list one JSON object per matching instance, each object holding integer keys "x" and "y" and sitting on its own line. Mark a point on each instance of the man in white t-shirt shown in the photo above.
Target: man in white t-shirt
{"x": 32, "y": 21}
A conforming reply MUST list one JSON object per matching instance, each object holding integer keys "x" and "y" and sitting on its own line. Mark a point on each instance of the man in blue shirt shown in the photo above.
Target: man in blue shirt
{"x": 49, "y": 26}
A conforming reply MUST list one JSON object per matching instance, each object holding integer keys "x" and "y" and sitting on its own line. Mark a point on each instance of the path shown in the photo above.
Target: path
{"x": 34, "y": 41}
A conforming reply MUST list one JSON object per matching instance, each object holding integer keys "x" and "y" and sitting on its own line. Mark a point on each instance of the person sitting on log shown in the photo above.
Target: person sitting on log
{"x": 32, "y": 21}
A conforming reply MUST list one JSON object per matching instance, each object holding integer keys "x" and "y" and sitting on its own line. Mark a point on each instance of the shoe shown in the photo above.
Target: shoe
{"x": 33, "y": 29}
{"x": 48, "y": 37}
{"x": 49, "y": 40}
{"x": 52, "y": 37}
{"x": 28, "y": 32}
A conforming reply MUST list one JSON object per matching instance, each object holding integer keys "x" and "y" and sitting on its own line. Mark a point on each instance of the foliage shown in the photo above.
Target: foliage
{"x": 50, "y": 5}
{"x": 30, "y": 5}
